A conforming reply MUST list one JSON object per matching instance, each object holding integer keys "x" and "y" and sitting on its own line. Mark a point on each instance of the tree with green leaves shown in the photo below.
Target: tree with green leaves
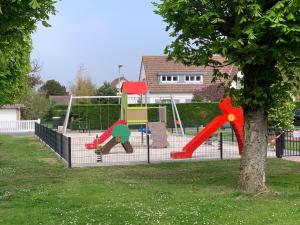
{"x": 84, "y": 85}
{"x": 262, "y": 38}
{"x": 36, "y": 105}
{"x": 53, "y": 87}
{"x": 18, "y": 19}
{"x": 107, "y": 90}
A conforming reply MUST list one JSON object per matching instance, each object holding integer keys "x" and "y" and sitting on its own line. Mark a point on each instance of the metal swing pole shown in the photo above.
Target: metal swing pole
{"x": 100, "y": 115}
{"x": 174, "y": 116}
{"x": 67, "y": 115}
{"x": 82, "y": 97}
{"x": 178, "y": 117}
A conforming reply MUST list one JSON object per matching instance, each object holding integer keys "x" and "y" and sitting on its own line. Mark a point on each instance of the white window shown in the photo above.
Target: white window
{"x": 169, "y": 79}
{"x": 194, "y": 79}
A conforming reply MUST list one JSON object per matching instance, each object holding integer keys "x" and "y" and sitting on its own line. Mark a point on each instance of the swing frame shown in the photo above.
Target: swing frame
{"x": 66, "y": 121}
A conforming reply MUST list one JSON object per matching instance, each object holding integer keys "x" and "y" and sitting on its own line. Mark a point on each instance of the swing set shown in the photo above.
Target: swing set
{"x": 81, "y": 118}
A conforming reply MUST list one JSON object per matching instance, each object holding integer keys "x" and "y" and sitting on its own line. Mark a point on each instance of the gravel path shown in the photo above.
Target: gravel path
{"x": 292, "y": 158}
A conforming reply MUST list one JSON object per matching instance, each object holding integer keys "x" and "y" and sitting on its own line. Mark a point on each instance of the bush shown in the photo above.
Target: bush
{"x": 101, "y": 116}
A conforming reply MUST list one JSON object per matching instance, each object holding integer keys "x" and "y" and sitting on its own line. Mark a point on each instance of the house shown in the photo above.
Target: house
{"x": 59, "y": 99}
{"x": 10, "y": 120}
{"x": 11, "y": 112}
{"x": 117, "y": 83}
{"x": 165, "y": 78}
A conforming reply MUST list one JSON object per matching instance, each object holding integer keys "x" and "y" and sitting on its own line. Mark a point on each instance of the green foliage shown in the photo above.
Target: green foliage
{"x": 53, "y": 87}
{"x": 257, "y": 36}
{"x": 17, "y": 22}
{"x": 297, "y": 105}
{"x": 107, "y": 90}
{"x": 36, "y": 105}
{"x": 281, "y": 114}
{"x": 94, "y": 116}
{"x": 84, "y": 85}
{"x": 14, "y": 67}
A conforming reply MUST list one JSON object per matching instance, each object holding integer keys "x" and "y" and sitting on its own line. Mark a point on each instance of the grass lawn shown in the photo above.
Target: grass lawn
{"x": 36, "y": 188}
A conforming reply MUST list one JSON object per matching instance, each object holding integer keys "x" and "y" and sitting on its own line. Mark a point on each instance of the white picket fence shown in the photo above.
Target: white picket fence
{"x": 18, "y": 126}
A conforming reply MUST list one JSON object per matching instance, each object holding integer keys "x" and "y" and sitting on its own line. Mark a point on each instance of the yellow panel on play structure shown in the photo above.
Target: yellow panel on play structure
{"x": 137, "y": 115}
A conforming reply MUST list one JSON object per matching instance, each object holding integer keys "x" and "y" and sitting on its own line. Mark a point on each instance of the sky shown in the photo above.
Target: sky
{"x": 99, "y": 34}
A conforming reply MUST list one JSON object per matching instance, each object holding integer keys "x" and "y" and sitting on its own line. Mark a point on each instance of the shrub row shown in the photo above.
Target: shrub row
{"x": 100, "y": 116}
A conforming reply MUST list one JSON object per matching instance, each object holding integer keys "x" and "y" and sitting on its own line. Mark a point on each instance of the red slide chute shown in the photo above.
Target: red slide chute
{"x": 230, "y": 114}
{"x": 104, "y": 136}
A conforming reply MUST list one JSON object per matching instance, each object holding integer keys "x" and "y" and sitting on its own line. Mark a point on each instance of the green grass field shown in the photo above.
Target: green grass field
{"x": 36, "y": 188}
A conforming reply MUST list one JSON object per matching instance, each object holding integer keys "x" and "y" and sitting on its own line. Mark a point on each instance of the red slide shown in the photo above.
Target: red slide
{"x": 104, "y": 136}
{"x": 231, "y": 114}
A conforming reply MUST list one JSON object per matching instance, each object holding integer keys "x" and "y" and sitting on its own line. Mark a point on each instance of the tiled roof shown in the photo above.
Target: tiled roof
{"x": 154, "y": 65}
{"x": 15, "y": 106}
{"x": 61, "y": 100}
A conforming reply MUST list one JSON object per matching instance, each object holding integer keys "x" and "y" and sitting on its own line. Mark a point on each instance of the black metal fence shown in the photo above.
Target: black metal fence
{"x": 56, "y": 141}
{"x": 221, "y": 146}
{"x": 287, "y": 144}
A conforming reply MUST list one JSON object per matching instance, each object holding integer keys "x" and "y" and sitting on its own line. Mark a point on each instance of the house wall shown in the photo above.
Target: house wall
{"x": 134, "y": 99}
{"x": 178, "y": 97}
{"x": 142, "y": 73}
{"x": 119, "y": 85}
{"x": 9, "y": 114}
{"x": 158, "y": 97}
{"x": 161, "y": 97}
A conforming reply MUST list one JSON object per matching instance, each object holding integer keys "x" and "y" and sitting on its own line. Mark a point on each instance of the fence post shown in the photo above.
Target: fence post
{"x": 69, "y": 152}
{"x": 148, "y": 149}
{"x": 221, "y": 146}
{"x": 142, "y": 133}
{"x": 280, "y": 144}
{"x": 61, "y": 144}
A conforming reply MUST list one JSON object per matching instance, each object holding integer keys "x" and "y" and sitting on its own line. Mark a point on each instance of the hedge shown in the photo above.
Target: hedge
{"x": 99, "y": 116}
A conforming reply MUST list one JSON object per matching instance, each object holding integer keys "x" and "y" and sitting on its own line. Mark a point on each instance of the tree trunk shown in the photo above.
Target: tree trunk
{"x": 253, "y": 163}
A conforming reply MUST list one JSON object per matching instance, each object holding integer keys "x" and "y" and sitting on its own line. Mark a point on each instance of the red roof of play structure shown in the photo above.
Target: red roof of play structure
{"x": 135, "y": 87}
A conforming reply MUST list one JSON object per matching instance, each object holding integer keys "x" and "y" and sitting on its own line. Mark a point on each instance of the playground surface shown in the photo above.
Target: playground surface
{"x": 210, "y": 150}
{"x": 292, "y": 158}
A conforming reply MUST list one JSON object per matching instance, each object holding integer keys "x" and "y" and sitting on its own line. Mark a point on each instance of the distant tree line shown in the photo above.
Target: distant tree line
{"x": 36, "y": 98}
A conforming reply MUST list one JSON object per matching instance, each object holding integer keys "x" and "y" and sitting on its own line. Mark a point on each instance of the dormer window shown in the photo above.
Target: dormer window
{"x": 169, "y": 78}
{"x": 194, "y": 79}
{"x": 180, "y": 78}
